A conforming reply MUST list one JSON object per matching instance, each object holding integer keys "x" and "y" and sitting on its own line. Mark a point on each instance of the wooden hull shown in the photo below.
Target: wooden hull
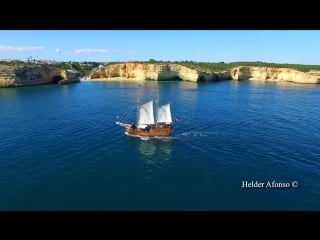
{"x": 156, "y": 131}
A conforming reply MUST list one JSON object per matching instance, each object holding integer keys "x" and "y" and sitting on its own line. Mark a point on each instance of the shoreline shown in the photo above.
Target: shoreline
{"x": 112, "y": 79}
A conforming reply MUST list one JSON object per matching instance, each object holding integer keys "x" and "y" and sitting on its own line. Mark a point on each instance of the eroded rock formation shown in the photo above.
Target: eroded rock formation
{"x": 34, "y": 75}
{"x": 174, "y": 71}
{"x": 145, "y": 72}
{"x": 275, "y": 74}
{"x": 42, "y": 74}
{"x": 155, "y": 72}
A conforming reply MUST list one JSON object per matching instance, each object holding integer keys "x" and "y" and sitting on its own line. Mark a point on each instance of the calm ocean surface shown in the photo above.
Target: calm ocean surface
{"x": 61, "y": 149}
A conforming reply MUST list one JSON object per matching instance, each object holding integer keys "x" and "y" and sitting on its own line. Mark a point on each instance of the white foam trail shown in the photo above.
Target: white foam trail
{"x": 194, "y": 134}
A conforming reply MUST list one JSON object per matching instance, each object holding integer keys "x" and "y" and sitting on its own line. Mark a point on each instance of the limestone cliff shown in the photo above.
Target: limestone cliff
{"x": 274, "y": 74}
{"x": 149, "y": 71}
{"x": 33, "y": 75}
{"x": 70, "y": 76}
{"x": 145, "y": 72}
{"x": 155, "y": 72}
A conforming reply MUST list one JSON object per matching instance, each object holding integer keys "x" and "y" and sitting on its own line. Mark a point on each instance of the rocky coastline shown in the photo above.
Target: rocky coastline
{"x": 36, "y": 75}
{"x": 42, "y": 74}
{"x": 161, "y": 72}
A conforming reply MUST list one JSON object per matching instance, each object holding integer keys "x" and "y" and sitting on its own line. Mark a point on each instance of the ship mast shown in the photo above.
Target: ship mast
{"x": 157, "y": 106}
{"x": 138, "y": 102}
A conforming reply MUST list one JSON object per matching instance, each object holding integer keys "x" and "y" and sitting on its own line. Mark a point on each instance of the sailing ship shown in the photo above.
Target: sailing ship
{"x": 147, "y": 125}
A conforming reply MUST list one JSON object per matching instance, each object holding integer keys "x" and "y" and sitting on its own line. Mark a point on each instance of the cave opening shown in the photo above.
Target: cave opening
{"x": 175, "y": 78}
{"x": 201, "y": 79}
{"x": 56, "y": 79}
{"x": 169, "y": 77}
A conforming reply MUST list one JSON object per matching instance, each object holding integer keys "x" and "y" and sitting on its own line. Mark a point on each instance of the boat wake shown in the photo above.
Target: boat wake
{"x": 149, "y": 138}
{"x": 194, "y": 134}
{"x": 145, "y": 138}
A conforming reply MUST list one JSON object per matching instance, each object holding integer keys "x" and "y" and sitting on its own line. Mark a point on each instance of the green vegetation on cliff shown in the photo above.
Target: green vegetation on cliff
{"x": 85, "y": 68}
{"x": 222, "y": 66}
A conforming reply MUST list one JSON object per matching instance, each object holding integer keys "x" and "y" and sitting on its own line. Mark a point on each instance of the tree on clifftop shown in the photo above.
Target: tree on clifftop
{"x": 151, "y": 60}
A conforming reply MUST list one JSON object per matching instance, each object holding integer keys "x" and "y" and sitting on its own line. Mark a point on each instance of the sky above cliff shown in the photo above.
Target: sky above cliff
{"x": 280, "y": 46}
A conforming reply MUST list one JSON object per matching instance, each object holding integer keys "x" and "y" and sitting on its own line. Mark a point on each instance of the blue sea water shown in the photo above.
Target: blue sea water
{"x": 61, "y": 149}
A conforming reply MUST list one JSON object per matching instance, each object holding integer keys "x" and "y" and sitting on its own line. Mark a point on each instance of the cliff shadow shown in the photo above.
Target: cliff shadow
{"x": 56, "y": 79}
{"x": 169, "y": 76}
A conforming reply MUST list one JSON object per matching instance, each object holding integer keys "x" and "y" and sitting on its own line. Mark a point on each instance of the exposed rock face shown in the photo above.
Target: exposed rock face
{"x": 7, "y": 75}
{"x": 70, "y": 76}
{"x": 6, "y": 79}
{"x": 145, "y": 72}
{"x": 37, "y": 75}
{"x": 212, "y": 77}
{"x": 34, "y": 75}
{"x": 174, "y": 71}
{"x": 275, "y": 74}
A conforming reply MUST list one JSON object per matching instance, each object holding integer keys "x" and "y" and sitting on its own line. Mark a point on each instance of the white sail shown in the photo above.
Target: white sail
{"x": 146, "y": 114}
{"x": 164, "y": 114}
